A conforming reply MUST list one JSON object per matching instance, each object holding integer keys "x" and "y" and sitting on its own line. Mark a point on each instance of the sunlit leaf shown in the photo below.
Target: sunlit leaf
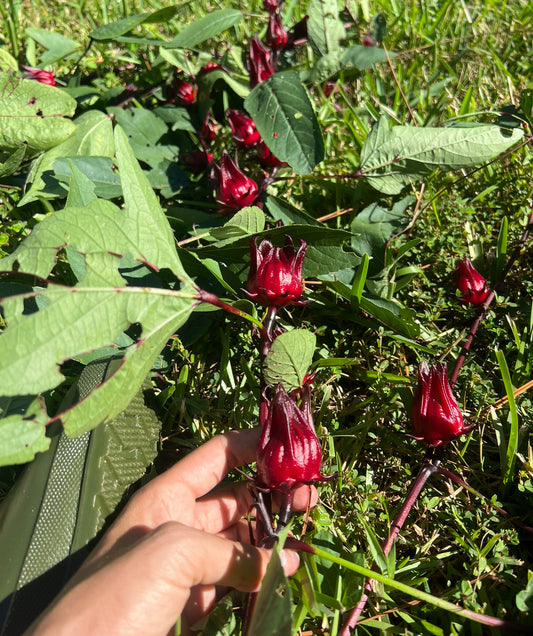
{"x": 391, "y": 158}
{"x": 284, "y": 116}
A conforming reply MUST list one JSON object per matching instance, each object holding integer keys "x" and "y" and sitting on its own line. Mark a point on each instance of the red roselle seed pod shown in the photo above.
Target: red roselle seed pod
{"x": 275, "y": 278}
{"x": 266, "y": 158}
{"x": 243, "y": 129}
{"x": 270, "y": 5}
{"x": 435, "y": 415}
{"x": 182, "y": 92}
{"x": 234, "y": 190}
{"x": 44, "y": 77}
{"x": 276, "y": 36}
{"x": 289, "y": 451}
{"x": 473, "y": 287}
{"x": 260, "y": 63}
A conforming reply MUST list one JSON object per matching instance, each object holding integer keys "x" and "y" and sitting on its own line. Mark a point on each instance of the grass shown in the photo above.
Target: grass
{"x": 455, "y": 61}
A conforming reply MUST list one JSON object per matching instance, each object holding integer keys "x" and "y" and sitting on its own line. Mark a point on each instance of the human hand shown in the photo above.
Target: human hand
{"x": 172, "y": 544}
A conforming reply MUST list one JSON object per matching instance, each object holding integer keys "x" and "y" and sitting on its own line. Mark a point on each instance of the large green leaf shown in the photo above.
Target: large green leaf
{"x": 374, "y": 226}
{"x": 391, "y": 158}
{"x": 58, "y": 46}
{"x": 144, "y": 130}
{"x": 93, "y": 136}
{"x": 33, "y": 114}
{"x": 204, "y": 28}
{"x": 284, "y": 116}
{"x": 23, "y": 435}
{"x": 324, "y": 27}
{"x": 113, "y": 30}
{"x": 289, "y": 358}
{"x": 94, "y": 313}
{"x": 272, "y": 614}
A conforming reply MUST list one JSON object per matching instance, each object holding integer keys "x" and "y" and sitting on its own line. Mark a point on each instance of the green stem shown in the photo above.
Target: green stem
{"x": 484, "y": 619}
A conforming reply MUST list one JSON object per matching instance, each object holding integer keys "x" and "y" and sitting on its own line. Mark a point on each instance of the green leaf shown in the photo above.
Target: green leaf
{"x": 245, "y": 222}
{"x": 12, "y": 162}
{"x": 272, "y": 614}
{"x": 93, "y": 314}
{"x": 93, "y": 136}
{"x": 115, "y": 29}
{"x": 80, "y": 194}
{"x": 33, "y": 114}
{"x": 392, "y": 158}
{"x": 364, "y": 57}
{"x": 98, "y": 171}
{"x": 204, "y": 28}
{"x": 289, "y": 358}
{"x": 8, "y": 62}
{"x": 284, "y": 116}
{"x": 21, "y": 436}
{"x": 144, "y": 130}
{"x": 324, "y": 28}
{"x": 374, "y": 226}
{"x": 58, "y": 46}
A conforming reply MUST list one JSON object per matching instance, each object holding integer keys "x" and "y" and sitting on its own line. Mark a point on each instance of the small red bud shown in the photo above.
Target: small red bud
{"x": 243, "y": 129}
{"x": 44, "y": 77}
{"x": 182, "y": 92}
{"x": 276, "y": 36}
{"x": 267, "y": 158}
{"x": 473, "y": 287}
{"x": 234, "y": 190}
{"x": 275, "y": 278}
{"x": 435, "y": 415}
{"x": 260, "y": 63}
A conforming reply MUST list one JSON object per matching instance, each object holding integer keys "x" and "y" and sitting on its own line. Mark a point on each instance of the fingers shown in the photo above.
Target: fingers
{"x": 145, "y": 589}
{"x": 225, "y": 506}
{"x": 207, "y": 466}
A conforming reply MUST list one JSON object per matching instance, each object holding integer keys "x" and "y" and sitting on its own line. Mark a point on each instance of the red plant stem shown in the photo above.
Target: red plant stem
{"x": 428, "y": 468}
{"x": 484, "y": 307}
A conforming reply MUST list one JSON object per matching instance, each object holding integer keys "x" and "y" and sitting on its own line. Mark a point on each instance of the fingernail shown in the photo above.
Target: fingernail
{"x": 290, "y": 561}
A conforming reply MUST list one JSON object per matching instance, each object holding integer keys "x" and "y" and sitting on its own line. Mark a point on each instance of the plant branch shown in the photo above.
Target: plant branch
{"x": 491, "y": 621}
{"x": 430, "y": 467}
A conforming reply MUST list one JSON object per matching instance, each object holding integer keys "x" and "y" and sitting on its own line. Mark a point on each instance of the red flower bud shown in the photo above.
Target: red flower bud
{"x": 270, "y": 5}
{"x": 275, "y": 277}
{"x": 182, "y": 92}
{"x": 368, "y": 40}
{"x": 470, "y": 283}
{"x": 276, "y": 36}
{"x": 289, "y": 452}
{"x": 209, "y": 128}
{"x": 209, "y": 68}
{"x": 260, "y": 63}
{"x": 267, "y": 159}
{"x": 44, "y": 77}
{"x": 435, "y": 415}
{"x": 243, "y": 129}
{"x": 235, "y": 190}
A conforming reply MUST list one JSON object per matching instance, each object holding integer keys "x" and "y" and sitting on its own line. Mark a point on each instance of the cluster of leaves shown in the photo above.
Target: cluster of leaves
{"x": 130, "y": 233}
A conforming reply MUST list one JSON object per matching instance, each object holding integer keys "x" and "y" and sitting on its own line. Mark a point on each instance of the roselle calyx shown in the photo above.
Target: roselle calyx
{"x": 182, "y": 92}
{"x": 436, "y": 417}
{"x": 289, "y": 452}
{"x": 39, "y": 75}
{"x": 234, "y": 189}
{"x": 243, "y": 129}
{"x": 276, "y": 35}
{"x": 275, "y": 277}
{"x": 260, "y": 63}
{"x": 471, "y": 284}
